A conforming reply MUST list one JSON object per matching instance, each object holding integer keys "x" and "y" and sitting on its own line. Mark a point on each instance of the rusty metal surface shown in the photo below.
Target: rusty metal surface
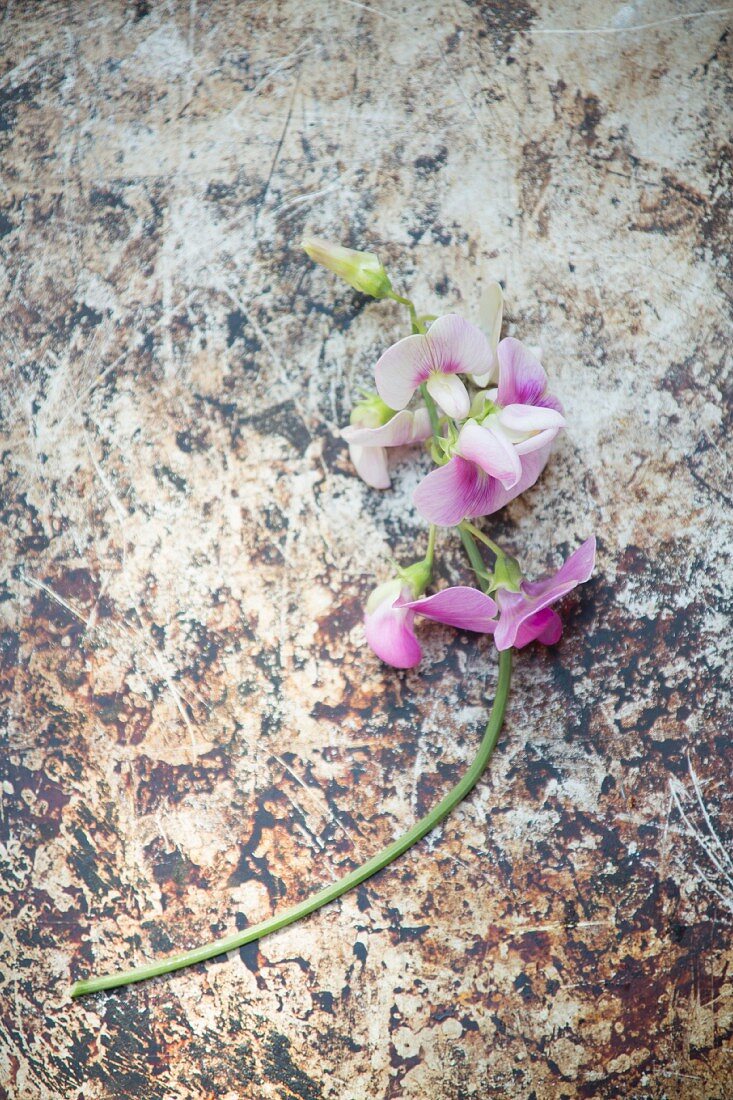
{"x": 194, "y": 734}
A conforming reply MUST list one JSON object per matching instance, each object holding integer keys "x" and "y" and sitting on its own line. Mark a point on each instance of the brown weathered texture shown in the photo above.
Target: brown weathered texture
{"x": 195, "y": 733}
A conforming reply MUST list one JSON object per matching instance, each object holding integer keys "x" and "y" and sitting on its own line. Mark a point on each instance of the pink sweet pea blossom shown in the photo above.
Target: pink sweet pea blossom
{"x": 450, "y": 347}
{"x": 391, "y": 610}
{"x": 501, "y": 454}
{"x": 368, "y": 445}
{"x": 526, "y": 616}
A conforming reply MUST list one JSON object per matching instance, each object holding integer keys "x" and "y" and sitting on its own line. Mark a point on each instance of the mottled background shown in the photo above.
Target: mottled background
{"x": 195, "y": 735}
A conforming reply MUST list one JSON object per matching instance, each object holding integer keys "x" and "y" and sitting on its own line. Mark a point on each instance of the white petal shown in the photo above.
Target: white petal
{"x": 405, "y": 427}
{"x": 530, "y": 418}
{"x": 482, "y": 380}
{"x": 487, "y": 446}
{"x": 490, "y": 312}
{"x": 371, "y": 465}
{"x": 401, "y": 369}
{"x": 458, "y": 347}
{"x": 450, "y": 393}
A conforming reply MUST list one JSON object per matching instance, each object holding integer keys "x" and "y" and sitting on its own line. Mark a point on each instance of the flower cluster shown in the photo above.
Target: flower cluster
{"x": 483, "y": 406}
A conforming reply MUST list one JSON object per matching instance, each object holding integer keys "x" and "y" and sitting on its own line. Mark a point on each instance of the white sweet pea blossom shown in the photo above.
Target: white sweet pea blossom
{"x": 375, "y": 427}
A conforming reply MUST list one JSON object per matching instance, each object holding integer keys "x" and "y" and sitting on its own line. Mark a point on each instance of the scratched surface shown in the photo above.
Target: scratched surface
{"x": 194, "y": 734}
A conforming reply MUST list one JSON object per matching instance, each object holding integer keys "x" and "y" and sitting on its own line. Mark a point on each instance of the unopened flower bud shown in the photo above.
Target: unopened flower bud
{"x": 362, "y": 270}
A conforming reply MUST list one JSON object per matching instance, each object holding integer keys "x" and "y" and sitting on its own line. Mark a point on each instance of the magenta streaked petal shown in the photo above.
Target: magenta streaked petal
{"x": 389, "y": 633}
{"x": 495, "y": 496}
{"x": 544, "y": 626}
{"x": 450, "y": 394}
{"x": 517, "y": 608}
{"x": 460, "y": 490}
{"x": 577, "y": 569}
{"x": 370, "y": 464}
{"x": 522, "y": 379}
{"x": 530, "y": 418}
{"x": 458, "y": 347}
{"x": 487, "y": 446}
{"x": 465, "y": 608}
{"x": 405, "y": 427}
{"x": 446, "y": 495}
{"x": 401, "y": 369}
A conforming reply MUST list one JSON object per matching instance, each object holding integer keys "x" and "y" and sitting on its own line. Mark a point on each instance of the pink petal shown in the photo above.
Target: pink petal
{"x": 577, "y": 569}
{"x": 370, "y": 464}
{"x": 522, "y": 379}
{"x": 517, "y": 608}
{"x": 460, "y": 489}
{"x": 490, "y": 449}
{"x": 405, "y": 427}
{"x": 401, "y": 369}
{"x": 447, "y": 494}
{"x": 466, "y": 608}
{"x": 390, "y": 634}
{"x": 544, "y": 626}
{"x": 448, "y": 391}
{"x": 458, "y": 347}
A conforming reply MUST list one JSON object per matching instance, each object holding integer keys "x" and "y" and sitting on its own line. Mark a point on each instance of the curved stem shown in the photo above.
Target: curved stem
{"x": 432, "y": 411}
{"x": 336, "y": 889}
{"x": 477, "y": 562}
{"x": 477, "y": 533}
{"x": 417, "y": 325}
{"x": 430, "y": 555}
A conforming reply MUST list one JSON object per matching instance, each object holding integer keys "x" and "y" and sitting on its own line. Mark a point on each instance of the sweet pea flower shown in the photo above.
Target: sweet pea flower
{"x": 391, "y": 610}
{"x": 450, "y": 347}
{"x": 375, "y": 427}
{"x": 502, "y": 450}
{"x": 527, "y": 616}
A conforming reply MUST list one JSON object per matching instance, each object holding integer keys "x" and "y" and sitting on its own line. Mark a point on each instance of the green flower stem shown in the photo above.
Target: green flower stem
{"x": 432, "y": 412}
{"x": 477, "y": 562}
{"x": 418, "y": 325}
{"x": 430, "y": 555}
{"x": 348, "y": 882}
{"x": 469, "y": 528}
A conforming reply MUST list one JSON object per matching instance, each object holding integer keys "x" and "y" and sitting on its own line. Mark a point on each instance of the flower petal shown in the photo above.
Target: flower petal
{"x": 576, "y": 570}
{"x": 405, "y": 427}
{"x": 487, "y": 446}
{"x": 450, "y": 393}
{"x": 390, "y": 634}
{"x": 446, "y": 494}
{"x": 522, "y": 379}
{"x": 370, "y": 464}
{"x": 465, "y": 608}
{"x": 458, "y": 347}
{"x": 490, "y": 311}
{"x": 530, "y": 418}
{"x": 544, "y": 626}
{"x": 402, "y": 368}
{"x": 460, "y": 489}
{"x": 517, "y": 608}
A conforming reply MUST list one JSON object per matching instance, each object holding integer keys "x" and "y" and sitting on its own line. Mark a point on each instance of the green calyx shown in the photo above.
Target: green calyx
{"x": 371, "y": 411}
{"x": 482, "y": 407}
{"x": 507, "y": 574}
{"x": 417, "y": 576}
